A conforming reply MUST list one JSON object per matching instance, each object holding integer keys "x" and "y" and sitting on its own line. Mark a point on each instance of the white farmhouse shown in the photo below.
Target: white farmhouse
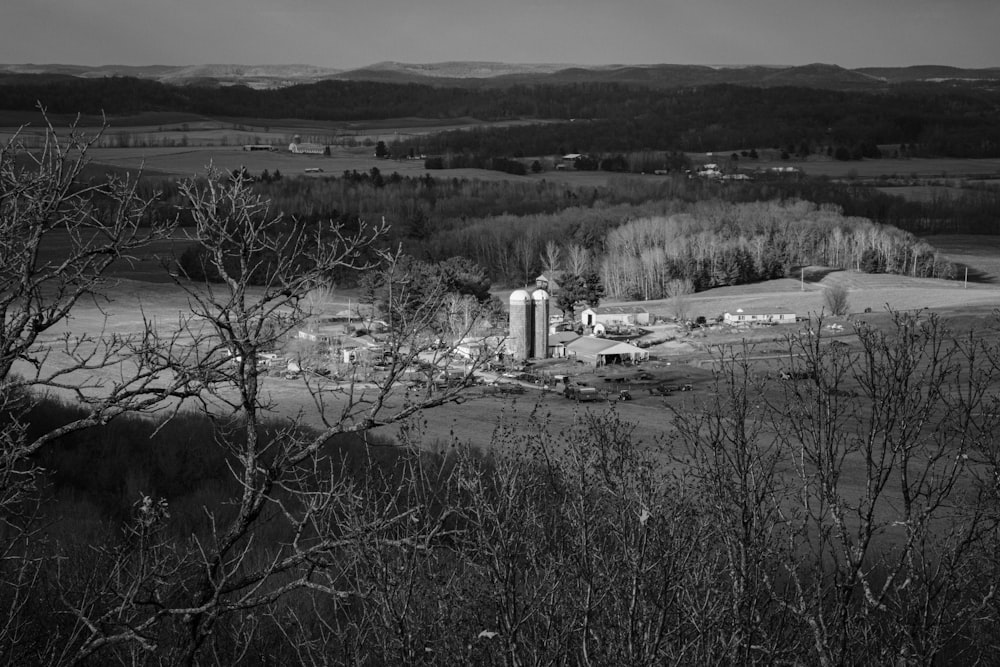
{"x": 759, "y": 316}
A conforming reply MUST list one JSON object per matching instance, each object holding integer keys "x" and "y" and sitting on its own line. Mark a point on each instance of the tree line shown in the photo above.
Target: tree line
{"x": 505, "y": 226}
{"x": 728, "y": 244}
{"x": 606, "y": 117}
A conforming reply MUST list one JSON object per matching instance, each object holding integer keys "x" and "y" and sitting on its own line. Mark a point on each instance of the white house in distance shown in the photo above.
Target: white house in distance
{"x": 759, "y": 316}
{"x": 627, "y": 315}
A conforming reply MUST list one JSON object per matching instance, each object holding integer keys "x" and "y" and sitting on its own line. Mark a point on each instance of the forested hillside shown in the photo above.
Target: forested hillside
{"x": 606, "y": 116}
{"x": 640, "y": 236}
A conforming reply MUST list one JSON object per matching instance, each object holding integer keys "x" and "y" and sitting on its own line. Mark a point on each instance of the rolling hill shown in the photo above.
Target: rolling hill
{"x": 498, "y": 74}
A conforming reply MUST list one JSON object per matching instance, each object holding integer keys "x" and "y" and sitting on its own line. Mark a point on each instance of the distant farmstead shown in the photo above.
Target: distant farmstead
{"x": 759, "y": 316}
{"x": 569, "y": 161}
{"x": 300, "y": 147}
{"x": 623, "y": 315}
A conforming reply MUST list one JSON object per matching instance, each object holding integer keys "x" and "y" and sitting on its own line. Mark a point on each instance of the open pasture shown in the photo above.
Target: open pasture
{"x": 165, "y": 129}
{"x": 185, "y": 162}
{"x": 980, "y": 253}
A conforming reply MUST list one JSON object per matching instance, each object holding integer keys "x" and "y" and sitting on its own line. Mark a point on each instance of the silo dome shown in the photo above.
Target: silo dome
{"x": 520, "y": 296}
{"x": 540, "y": 339}
{"x": 520, "y": 325}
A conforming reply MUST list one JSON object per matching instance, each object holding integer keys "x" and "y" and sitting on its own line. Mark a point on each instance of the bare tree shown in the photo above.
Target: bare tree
{"x": 551, "y": 258}
{"x": 846, "y": 492}
{"x": 288, "y": 483}
{"x": 577, "y": 259}
{"x": 524, "y": 253}
{"x": 62, "y": 236}
{"x": 835, "y": 298}
{"x": 678, "y": 291}
{"x": 297, "y": 522}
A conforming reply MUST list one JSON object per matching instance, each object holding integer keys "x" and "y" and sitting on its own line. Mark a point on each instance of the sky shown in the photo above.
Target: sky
{"x": 346, "y": 34}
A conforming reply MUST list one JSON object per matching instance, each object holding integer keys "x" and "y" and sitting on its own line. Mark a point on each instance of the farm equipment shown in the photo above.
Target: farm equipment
{"x": 581, "y": 393}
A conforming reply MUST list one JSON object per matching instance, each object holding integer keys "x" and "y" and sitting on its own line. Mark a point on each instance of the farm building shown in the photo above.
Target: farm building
{"x": 300, "y": 147}
{"x": 601, "y": 351}
{"x": 306, "y": 149}
{"x": 628, "y": 315}
{"x": 355, "y": 349}
{"x": 478, "y": 348}
{"x": 569, "y": 161}
{"x": 549, "y": 281}
{"x": 759, "y": 316}
{"x": 558, "y": 342}
{"x": 321, "y": 333}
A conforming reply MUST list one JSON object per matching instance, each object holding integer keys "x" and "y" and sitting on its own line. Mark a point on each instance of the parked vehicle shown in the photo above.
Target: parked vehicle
{"x": 582, "y": 393}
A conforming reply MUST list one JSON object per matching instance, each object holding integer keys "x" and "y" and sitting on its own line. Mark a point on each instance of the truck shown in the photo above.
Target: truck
{"x": 580, "y": 393}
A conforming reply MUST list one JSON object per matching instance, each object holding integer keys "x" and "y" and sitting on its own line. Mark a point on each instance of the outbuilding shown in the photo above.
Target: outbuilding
{"x": 619, "y": 315}
{"x": 601, "y": 351}
{"x": 759, "y": 316}
{"x": 549, "y": 281}
{"x": 558, "y": 341}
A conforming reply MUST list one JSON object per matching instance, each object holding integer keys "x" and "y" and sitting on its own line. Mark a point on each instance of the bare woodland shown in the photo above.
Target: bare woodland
{"x": 845, "y": 516}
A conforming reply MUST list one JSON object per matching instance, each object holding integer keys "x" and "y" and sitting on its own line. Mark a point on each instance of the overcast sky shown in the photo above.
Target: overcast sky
{"x": 346, "y": 34}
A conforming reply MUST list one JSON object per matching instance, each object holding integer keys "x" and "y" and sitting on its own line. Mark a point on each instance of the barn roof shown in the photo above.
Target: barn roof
{"x": 590, "y": 345}
{"x": 624, "y": 348}
{"x": 351, "y": 342}
{"x": 563, "y": 337}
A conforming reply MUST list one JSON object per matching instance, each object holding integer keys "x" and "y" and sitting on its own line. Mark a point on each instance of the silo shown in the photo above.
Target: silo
{"x": 540, "y": 302}
{"x": 519, "y": 342}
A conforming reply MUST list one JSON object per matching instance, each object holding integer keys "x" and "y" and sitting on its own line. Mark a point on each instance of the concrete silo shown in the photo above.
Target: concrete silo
{"x": 520, "y": 339}
{"x": 540, "y": 303}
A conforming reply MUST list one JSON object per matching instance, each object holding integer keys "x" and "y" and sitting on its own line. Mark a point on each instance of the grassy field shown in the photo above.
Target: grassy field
{"x": 190, "y": 160}
{"x": 183, "y": 144}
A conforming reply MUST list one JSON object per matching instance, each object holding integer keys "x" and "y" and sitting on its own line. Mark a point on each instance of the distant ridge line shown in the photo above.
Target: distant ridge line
{"x": 491, "y": 73}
